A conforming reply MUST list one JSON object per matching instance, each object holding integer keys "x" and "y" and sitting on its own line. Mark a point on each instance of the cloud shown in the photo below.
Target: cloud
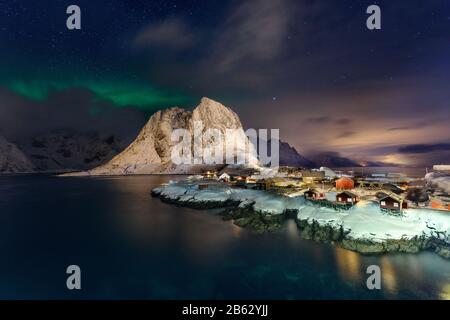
{"x": 255, "y": 31}
{"x": 172, "y": 34}
{"x": 22, "y": 118}
{"x": 327, "y": 119}
{"x": 318, "y": 120}
{"x": 399, "y": 128}
{"x": 419, "y": 124}
{"x": 346, "y": 134}
{"x": 424, "y": 148}
{"x": 343, "y": 121}
{"x": 243, "y": 50}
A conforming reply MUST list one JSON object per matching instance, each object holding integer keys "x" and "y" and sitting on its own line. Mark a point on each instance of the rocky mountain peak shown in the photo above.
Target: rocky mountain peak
{"x": 151, "y": 151}
{"x": 215, "y": 115}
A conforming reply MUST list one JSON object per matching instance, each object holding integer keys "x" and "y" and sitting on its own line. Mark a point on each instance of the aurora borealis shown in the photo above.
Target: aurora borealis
{"x": 120, "y": 94}
{"x": 310, "y": 68}
{"x": 39, "y": 55}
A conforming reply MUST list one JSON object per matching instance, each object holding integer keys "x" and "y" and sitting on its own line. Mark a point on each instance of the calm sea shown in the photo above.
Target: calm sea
{"x": 130, "y": 246}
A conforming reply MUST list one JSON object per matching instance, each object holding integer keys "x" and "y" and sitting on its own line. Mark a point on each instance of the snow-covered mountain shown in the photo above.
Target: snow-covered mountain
{"x": 290, "y": 157}
{"x": 68, "y": 149}
{"x": 439, "y": 180}
{"x": 12, "y": 159}
{"x": 333, "y": 160}
{"x": 151, "y": 151}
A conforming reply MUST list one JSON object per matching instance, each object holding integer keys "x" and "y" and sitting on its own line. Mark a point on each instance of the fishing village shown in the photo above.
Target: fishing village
{"x": 324, "y": 187}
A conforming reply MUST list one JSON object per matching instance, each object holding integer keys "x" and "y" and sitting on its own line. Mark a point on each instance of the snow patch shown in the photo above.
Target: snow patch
{"x": 363, "y": 221}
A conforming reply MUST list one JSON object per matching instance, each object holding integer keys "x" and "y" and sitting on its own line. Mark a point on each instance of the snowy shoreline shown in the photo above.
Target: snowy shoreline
{"x": 363, "y": 228}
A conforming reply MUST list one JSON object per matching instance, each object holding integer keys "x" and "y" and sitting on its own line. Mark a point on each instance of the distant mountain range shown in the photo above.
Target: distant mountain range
{"x": 58, "y": 151}
{"x": 94, "y": 154}
{"x": 332, "y": 160}
{"x": 335, "y": 160}
{"x": 12, "y": 159}
{"x": 68, "y": 149}
{"x": 289, "y": 156}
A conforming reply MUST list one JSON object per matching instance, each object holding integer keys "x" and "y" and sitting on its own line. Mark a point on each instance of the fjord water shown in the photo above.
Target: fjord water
{"x": 132, "y": 246}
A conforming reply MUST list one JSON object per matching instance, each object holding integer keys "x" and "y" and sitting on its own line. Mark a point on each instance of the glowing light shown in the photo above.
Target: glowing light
{"x": 348, "y": 263}
{"x": 389, "y": 276}
{"x": 122, "y": 94}
{"x": 445, "y": 292}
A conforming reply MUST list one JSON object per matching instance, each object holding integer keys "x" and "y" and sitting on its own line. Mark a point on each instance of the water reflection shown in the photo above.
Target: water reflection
{"x": 445, "y": 291}
{"x": 156, "y": 250}
{"x": 415, "y": 267}
{"x": 136, "y": 213}
{"x": 206, "y": 240}
{"x": 348, "y": 263}
{"x": 237, "y": 231}
{"x": 201, "y": 239}
{"x": 388, "y": 276}
{"x": 292, "y": 232}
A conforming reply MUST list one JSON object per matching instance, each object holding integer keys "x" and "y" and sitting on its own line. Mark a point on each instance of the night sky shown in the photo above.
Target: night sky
{"x": 310, "y": 68}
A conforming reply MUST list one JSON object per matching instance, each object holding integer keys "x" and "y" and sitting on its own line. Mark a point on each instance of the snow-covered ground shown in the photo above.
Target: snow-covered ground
{"x": 440, "y": 179}
{"x": 363, "y": 221}
{"x": 366, "y": 221}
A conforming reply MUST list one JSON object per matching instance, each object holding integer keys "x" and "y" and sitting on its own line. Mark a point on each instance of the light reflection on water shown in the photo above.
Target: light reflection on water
{"x": 445, "y": 292}
{"x": 131, "y": 245}
{"x": 349, "y": 265}
{"x": 389, "y": 276}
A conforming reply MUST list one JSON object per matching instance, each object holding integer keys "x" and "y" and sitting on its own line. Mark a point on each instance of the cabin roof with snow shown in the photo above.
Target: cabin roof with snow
{"x": 392, "y": 187}
{"x": 347, "y": 193}
{"x": 312, "y": 191}
{"x": 312, "y": 174}
{"x": 392, "y": 196}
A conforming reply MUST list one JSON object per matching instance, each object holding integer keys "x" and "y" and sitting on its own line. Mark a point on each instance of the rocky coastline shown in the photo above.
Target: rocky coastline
{"x": 244, "y": 214}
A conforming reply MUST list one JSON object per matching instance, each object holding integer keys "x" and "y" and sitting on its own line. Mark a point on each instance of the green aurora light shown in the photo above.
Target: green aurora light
{"x": 126, "y": 94}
